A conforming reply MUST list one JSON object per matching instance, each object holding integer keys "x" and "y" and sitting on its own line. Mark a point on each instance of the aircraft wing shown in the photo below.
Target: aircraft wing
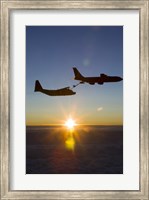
{"x": 103, "y": 75}
{"x": 66, "y": 88}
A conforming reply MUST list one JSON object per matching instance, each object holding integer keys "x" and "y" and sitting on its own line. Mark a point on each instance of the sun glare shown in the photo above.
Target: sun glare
{"x": 70, "y": 123}
{"x": 70, "y": 143}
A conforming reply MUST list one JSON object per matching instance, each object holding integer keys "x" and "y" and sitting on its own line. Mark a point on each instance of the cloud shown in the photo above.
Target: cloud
{"x": 99, "y": 109}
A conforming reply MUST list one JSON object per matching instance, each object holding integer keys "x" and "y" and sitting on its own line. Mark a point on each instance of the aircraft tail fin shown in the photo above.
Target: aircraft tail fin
{"x": 38, "y": 86}
{"x": 78, "y": 75}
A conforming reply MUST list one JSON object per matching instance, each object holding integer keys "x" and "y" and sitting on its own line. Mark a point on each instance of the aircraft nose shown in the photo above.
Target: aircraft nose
{"x": 120, "y": 79}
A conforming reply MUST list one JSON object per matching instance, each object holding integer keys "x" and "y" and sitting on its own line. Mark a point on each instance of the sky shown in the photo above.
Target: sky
{"x": 52, "y": 52}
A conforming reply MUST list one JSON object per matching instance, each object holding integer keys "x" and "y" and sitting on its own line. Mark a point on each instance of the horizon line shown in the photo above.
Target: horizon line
{"x": 76, "y": 125}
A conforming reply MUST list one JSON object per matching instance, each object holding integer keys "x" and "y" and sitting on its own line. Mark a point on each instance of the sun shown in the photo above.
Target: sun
{"x": 70, "y": 123}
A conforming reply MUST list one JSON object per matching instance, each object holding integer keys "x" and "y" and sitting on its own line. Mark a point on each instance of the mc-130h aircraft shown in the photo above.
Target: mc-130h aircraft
{"x": 103, "y": 78}
{"x": 59, "y": 92}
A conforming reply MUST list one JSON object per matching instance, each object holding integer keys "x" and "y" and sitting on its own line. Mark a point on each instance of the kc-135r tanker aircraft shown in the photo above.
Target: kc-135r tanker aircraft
{"x": 103, "y": 78}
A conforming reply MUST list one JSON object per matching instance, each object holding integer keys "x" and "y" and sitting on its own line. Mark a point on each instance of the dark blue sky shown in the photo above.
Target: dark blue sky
{"x": 52, "y": 51}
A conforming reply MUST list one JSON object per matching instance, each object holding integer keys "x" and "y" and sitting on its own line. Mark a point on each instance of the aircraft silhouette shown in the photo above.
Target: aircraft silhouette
{"x": 59, "y": 92}
{"x": 92, "y": 80}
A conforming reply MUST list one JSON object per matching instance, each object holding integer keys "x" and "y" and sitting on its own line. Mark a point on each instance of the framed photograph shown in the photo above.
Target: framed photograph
{"x": 74, "y": 99}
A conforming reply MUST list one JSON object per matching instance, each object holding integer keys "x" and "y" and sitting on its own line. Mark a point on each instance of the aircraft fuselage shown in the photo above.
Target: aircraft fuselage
{"x": 100, "y": 80}
{"x": 60, "y": 92}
